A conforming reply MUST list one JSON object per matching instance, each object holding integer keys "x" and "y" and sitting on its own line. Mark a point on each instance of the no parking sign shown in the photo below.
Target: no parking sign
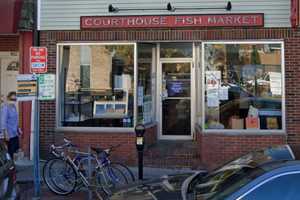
{"x": 38, "y": 60}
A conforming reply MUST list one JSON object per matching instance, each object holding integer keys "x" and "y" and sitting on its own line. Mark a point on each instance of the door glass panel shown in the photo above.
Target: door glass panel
{"x": 176, "y": 102}
{"x": 176, "y": 79}
{"x": 176, "y": 118}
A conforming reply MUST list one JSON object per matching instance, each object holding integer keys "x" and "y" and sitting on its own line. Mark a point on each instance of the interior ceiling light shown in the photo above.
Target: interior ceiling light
{"x": 170, "y": 8}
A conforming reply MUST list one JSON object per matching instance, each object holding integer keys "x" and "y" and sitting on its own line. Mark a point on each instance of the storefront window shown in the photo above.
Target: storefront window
{"x": 243, "y": 86}
{"x": 98, "y": 85}
{"x": 146, "y": 83}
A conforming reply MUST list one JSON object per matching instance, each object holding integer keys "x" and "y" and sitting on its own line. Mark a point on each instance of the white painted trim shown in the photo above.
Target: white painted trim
{"x": 75, "y": 129}
{"x": 159, "y": 92}
{"x": 38, "y": 14}
{"x": 94, "y": 43}
{"x": 241, "y": 131}
{"x": 135, "y": 76}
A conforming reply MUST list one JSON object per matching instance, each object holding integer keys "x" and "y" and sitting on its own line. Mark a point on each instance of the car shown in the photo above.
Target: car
{"x": 8, "y": 182}
{"x": 244, "y": 178}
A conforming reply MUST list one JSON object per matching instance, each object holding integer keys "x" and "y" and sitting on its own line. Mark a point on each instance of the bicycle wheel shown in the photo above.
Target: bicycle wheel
{"x": 126, "y": 171}
{"x": 113, "y": 177}
{"x": 49, "y": 181}
{"x": 85, "y": 167}
{"x": 60, "y": 176}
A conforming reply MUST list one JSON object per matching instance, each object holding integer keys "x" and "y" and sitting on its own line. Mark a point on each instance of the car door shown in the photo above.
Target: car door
{"x": 283, "y": 186}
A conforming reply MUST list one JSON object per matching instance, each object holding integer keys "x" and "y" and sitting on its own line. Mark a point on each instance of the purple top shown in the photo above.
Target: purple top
{"x": 9, "y": 119}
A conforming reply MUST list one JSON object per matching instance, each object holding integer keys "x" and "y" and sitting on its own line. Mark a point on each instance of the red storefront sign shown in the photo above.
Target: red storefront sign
{"x": 38, "y": 60}
{"x": 172, "y": 21}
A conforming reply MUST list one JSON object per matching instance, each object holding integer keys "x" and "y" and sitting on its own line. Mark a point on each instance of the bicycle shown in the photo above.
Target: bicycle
{"x": 63, "y": 175}
{"x": 103, "y": 157}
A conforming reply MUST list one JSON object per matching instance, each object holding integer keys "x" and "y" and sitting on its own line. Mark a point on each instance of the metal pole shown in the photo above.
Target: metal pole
{"x": 90, "y": 194}
{"x": 141, "y": 162}
{"x": 36, "y": 149}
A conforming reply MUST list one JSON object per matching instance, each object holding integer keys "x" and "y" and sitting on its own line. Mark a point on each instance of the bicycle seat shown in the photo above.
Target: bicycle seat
{"x": 97, "y": 149}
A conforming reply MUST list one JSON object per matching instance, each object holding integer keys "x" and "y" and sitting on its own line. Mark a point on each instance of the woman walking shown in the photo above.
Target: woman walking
{"x": 10, "y": 123}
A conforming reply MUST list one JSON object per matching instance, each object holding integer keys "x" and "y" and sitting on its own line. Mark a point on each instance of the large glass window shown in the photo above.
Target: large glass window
{"x": 243, "y": 85}
{"x": 146, "y": 83}
{"x": 98, "y": 85}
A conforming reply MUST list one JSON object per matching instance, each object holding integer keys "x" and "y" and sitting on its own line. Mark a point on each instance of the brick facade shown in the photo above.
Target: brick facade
{"x": 215, "y": 149}
{"x": 9, "y": 42}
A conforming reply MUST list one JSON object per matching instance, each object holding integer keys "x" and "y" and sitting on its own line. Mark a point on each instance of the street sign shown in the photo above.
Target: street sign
{"x": 46, "y": 87}
{"x": 38, "y": 60}
{"x": 26, "y": 87}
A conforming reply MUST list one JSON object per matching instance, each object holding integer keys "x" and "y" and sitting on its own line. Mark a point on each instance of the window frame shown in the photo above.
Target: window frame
{"x": 60, "y": 91}
{"x": 244, "y": 131}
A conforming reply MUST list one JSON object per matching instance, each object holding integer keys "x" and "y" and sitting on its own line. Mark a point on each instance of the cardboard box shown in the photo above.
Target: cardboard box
{"x": 236, "y": 123}
{"x": 272, "y": 123}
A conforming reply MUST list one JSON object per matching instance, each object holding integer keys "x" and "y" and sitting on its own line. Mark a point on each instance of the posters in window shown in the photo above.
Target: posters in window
{"x": 275, "y": 83}
{"x": 213, "y": 81}
{"x": 223, "y": 93}
{"x": 213, "y": 98}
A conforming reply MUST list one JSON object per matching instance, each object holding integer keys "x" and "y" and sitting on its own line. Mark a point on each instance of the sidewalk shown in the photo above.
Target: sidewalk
{"x": 25, "y": 181}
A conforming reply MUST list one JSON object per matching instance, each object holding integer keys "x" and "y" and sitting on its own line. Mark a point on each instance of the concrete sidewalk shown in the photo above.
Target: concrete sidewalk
{"x": 25, "y": 181}
{"x": 25, "y": 171}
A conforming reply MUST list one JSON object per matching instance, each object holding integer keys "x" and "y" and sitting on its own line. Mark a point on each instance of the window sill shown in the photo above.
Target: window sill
{"x": 235, "y": 132}
{"x": 95, "y": 129}
{"x": 101, "y": 129}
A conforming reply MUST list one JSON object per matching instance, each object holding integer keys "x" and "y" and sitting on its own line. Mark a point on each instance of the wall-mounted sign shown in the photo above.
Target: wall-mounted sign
{"x": 38, "y": 60}
{"x": 168, "y": 21}
{"x": 46, "y": 87}
{"x": 26, "y": 87}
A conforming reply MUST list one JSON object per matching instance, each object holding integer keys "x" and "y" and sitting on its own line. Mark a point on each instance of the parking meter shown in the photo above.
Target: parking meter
{"x": 140, "y": 143}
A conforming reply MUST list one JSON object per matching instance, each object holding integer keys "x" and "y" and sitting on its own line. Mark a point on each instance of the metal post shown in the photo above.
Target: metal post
{"x": 36, "y": 150}
{"x": 141, "y": 163}
{"x": 90, "y": 194}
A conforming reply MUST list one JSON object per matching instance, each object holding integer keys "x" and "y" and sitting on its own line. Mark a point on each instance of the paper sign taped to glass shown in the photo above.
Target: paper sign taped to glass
{"x": 223, "y": 93}
{"x": 213, "y": 97}
{"x": 213, "y": 79}
{"x": 275, "y": 83}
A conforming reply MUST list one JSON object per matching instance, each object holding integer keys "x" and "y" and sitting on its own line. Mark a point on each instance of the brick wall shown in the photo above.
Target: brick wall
{"x": 216, "y": 149}
{"x": 225, "y": 149}
{"x": 9, "y": 43}
{"x": 125, "y": 153}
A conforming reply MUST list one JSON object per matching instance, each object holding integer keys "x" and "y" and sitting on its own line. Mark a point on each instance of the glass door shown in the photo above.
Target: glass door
{"x": 175, "y": 95}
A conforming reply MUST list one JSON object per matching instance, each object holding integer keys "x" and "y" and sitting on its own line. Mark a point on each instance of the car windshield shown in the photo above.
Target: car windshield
{"x": 222, "y": 182}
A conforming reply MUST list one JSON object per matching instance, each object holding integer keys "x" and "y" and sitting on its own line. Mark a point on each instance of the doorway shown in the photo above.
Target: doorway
{"x": 174, "y": 99}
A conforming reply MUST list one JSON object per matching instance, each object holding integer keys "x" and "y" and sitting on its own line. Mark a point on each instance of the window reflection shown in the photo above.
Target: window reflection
{"x": 98, "y": 85}
{"x": 243, "y": 86}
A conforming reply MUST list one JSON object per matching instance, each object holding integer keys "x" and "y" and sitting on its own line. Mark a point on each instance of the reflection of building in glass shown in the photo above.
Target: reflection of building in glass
{"x": 101, "y": 68}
